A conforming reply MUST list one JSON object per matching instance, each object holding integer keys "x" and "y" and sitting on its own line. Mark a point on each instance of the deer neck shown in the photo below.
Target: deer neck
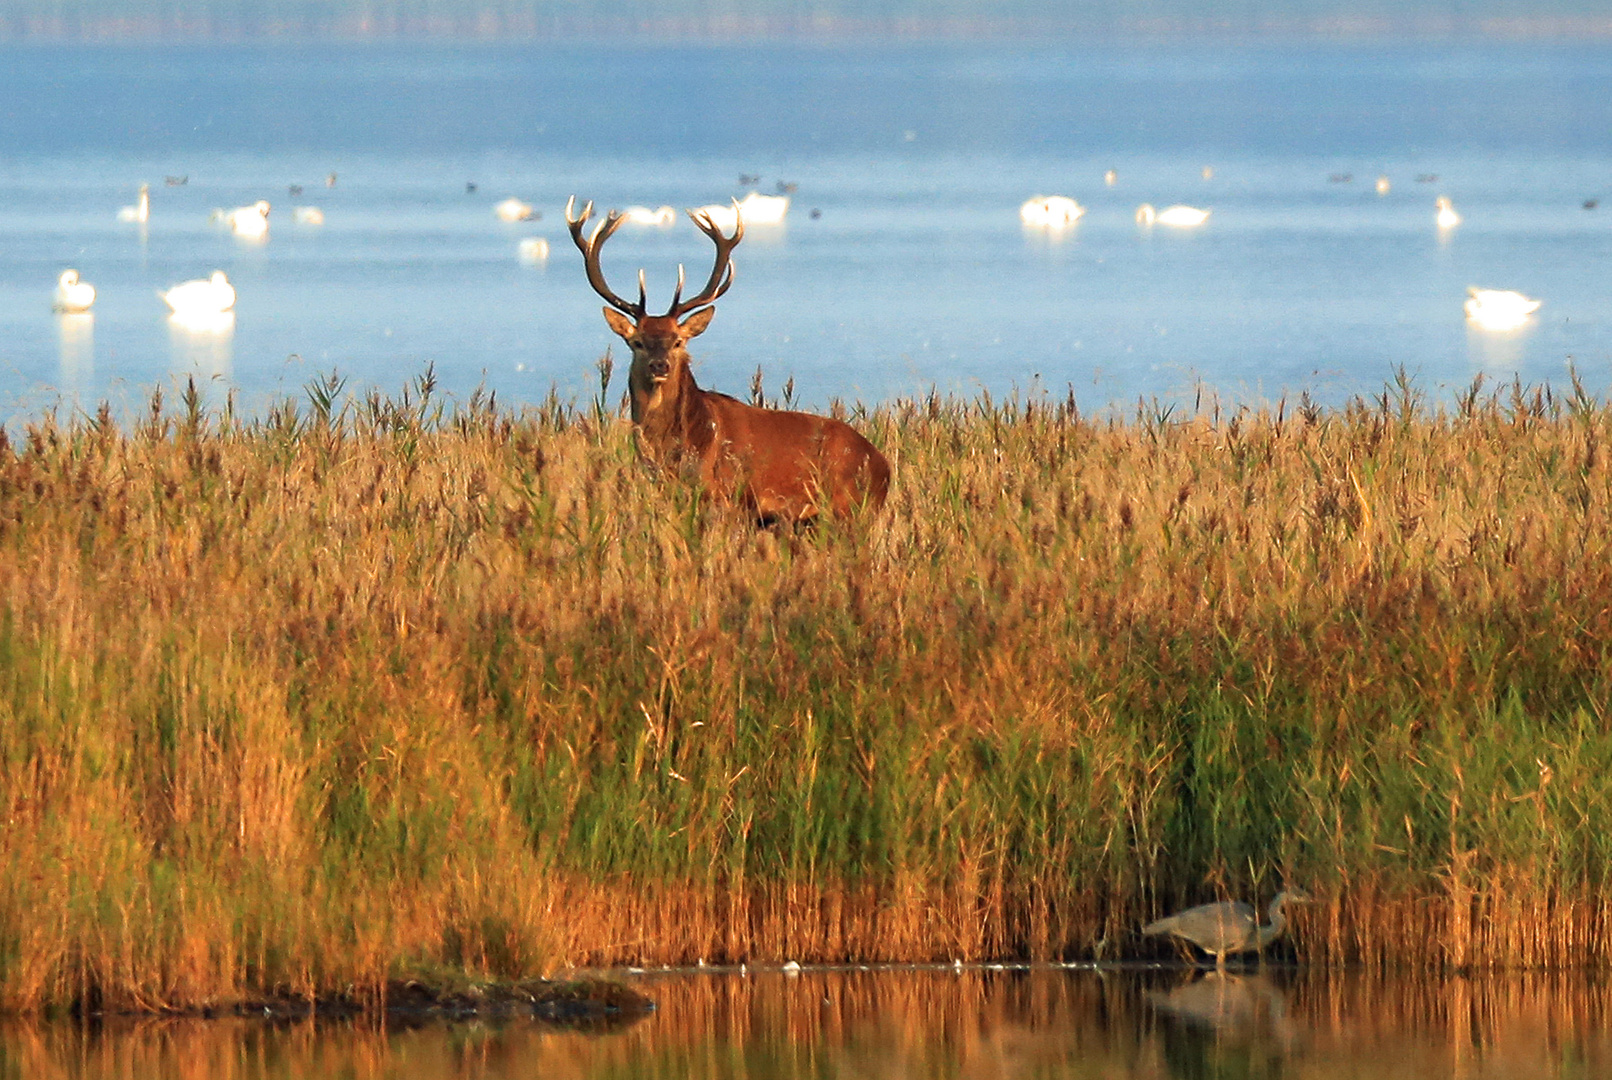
{"x": 670, "y": 415}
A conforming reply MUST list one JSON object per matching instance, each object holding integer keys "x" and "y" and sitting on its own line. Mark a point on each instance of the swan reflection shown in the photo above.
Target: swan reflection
{"x": 202, "y": 342}
{"x": 1498, "y": 349}
{"x": 75, "y": 336}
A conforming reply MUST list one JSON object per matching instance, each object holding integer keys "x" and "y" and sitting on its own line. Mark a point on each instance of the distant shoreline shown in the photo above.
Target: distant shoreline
{"x": 532, "y": 25}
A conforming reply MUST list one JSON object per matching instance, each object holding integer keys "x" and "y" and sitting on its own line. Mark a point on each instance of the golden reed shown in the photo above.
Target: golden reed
{"x": 383, "y": 687}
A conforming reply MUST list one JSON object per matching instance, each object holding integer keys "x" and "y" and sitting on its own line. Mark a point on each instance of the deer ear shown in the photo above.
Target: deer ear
{"x": 619, "y": 322}
{"x": 695, "y": 324}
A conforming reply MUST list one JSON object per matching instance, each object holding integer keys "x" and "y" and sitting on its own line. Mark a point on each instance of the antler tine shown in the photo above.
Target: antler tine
{"x": 586, "y": 210}
{"x": 677, "y": 295}
{"x": 589, "y": 246}
{"x": 722, "y": 273}
{"x": 642, "y": 297}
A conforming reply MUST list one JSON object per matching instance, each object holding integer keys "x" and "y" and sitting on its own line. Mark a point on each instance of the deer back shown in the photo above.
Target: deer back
{"x": 790, "y": 466}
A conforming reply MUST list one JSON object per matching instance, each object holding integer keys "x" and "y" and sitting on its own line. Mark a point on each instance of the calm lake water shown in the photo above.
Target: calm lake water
{"x": 1116, "y": 1025}
{"x": 916, "y": 274}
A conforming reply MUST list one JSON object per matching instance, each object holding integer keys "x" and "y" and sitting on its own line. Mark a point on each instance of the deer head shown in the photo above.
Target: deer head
{"x": 658, "y": 342}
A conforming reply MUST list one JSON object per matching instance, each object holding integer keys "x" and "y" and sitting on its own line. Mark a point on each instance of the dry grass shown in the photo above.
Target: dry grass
{"x": 303, "y": 702}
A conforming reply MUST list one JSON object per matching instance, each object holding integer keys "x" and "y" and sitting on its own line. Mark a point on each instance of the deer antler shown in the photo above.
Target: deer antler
{"x": 721, "y": 273}
{"x": 590, "y": 256}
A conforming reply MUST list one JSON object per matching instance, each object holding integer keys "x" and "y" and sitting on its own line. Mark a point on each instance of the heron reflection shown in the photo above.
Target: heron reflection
{"x": 1241, "y": 1004}
{"x": 202, "y": 342}
{"x": 1219, "y": 1024}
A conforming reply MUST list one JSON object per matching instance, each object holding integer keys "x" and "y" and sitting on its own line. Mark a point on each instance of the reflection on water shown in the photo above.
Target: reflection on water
{"x": 1219, "y": 1025}
{"x": 202, "y": 343}
{"x": 985, "y": 1024}
{"x": 1500, "y": 351}
{"x": 1228, "y": 1004}
{"x": 75, "y": 336}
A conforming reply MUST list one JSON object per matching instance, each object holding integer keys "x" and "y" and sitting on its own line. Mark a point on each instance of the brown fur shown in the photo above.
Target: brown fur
{"x": 783, "y": 466}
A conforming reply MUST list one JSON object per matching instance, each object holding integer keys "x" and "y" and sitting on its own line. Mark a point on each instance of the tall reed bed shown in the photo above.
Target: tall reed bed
{"x": 367, "y": 687}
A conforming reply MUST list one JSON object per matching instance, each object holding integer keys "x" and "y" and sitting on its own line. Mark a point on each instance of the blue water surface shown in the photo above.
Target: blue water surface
{"x": 913, "y": 273}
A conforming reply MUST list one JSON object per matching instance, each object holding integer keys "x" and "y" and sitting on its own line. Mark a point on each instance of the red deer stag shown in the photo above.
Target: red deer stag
{"x": 783, "y": 466}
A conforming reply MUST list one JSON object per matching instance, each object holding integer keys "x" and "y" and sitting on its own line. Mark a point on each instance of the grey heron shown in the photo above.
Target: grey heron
{"x": 1230, "y": 926}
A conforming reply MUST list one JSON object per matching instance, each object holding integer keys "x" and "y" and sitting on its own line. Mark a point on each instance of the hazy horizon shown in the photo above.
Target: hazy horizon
{"x": 209, "y": 20}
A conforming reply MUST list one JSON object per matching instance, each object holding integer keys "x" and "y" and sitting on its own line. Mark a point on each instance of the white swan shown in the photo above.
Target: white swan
{"x": 723, "y": 217}
{"x": 661, "y": 216}
{"x": 141, "y": 210}
{"x": 533, "y": 249}
{"x": 512, "y": 209}
{"x": 1498, "y": 309}
{"x": 307, "y": 215}
{"x": 1184, "y": 217}
{"x": 1050, "y": 211}
{"x": 73, "y": 295}
{"x": 754, "y": 209}
{"x": 249, "y": 222}
{"x": 196, "y": 299}
{"x": 1111, "y": 178}
{"x": 1446, "y": 217}
{"x": 759, "y": 209}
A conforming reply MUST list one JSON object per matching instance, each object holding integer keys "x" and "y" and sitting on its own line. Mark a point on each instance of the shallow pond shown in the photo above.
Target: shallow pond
{"x": 914, "y": 1022}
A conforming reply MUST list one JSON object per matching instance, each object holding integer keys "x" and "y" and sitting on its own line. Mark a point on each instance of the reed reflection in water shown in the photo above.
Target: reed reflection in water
{"x": 973, "y": 1023}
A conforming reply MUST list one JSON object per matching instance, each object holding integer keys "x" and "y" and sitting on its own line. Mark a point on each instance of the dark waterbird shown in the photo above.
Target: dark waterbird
{"x": 1230, "y": 926}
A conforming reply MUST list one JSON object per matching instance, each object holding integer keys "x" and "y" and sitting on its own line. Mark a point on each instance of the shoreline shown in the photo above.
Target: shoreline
{"x": 594, "y": 1004}
{"x": 535, "y": 27}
